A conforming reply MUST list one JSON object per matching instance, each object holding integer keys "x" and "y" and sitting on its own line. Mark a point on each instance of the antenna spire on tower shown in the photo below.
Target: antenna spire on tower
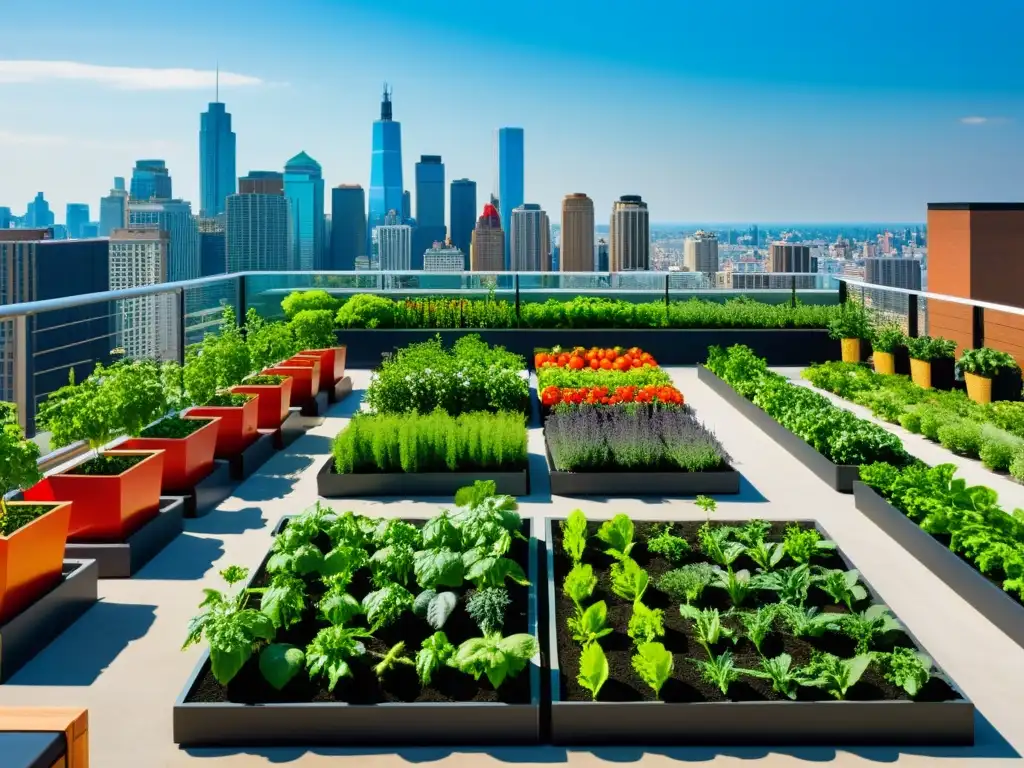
{"x": 217, "y": 84}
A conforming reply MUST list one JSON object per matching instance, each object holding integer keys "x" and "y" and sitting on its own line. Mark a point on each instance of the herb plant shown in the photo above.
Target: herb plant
{"x": 646, "y": 624}
{"x": 719, "y": 670}
{"x": 574, "y": 535}
{"x": 589, "y": 625}
{"x": 18, "y": 470}
{"x": 654, "y": 665}
{"x": 780, "y": 670}
{"x": 834, "y": 675}
{"x": 487, "y": 607}
{"x": 495, "y": 656}
{"x": 617, "y": 533}
{"x": 909, "y": 669}
{"x": 593, "y": 669}
{"x": 434, "y": 653}
{"x": 673, "y": 548}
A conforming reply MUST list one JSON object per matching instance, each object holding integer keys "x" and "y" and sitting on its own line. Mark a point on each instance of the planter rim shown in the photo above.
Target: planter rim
{"x": 249, "y": 395}
{"x": 210, "y": 421}
{"x": 149, "y": 453}
{"x": 54, "y": 506}
{"x": 238, "y": 389}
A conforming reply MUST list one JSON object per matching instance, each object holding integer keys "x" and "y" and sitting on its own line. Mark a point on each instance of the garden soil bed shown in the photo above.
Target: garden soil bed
{"x": 841, "y": 477}
{"x": 331, "y": 485}
{"x": 692, "y": 711}
{"x": 28, "y": 633}
{"x": 612, "y": 481}
{"x": 984, "y": 593}
{"x": 454, "y": 709}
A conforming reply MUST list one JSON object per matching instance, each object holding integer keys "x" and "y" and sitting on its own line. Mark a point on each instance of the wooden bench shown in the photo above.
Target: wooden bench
{"x": 44, "y": 737}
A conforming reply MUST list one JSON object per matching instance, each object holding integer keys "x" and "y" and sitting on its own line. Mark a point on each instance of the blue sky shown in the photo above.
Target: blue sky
{"x": 725, "y": 111}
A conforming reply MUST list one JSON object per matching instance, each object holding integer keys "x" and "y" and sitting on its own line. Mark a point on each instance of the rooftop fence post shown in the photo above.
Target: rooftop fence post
{"x": 181, "y": 326}
{"x": 912, "y": 329}
{"x": 977, "y": 327}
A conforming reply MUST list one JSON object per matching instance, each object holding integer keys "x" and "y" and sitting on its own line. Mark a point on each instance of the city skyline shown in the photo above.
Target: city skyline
{"x": 801, "y": 132}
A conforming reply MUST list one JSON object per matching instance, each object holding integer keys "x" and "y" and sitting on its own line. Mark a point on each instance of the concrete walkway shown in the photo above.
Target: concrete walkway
{"x": 122, "y": 659}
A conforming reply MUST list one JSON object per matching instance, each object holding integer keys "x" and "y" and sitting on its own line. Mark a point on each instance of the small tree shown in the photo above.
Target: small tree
{"x": 314, "y": 329}
{"x": 18, "y": 462}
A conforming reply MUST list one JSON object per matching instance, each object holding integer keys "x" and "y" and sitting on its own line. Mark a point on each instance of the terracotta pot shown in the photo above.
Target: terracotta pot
{"x": 187, "y": 460}
{"x": 274, "y": 401}
{"x": 885, "y": 363}
{"x": 851, "y": 350}
{"x": 305, "y": 373}
{"x": 238, "y": 425}
{"x": 31, "y": 558}
{"x": 921, "y": 373}
{"x": 332, "y": 364}
{"x": 979, "y": 388}
{"x": 106, "y": 507}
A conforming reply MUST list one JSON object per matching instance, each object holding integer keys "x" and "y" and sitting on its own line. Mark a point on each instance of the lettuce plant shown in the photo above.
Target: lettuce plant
{"x": 716, "y": 544}
{"x": 646, "y": 624}
{"x": 434, "y": 653}
{"x": 780, "y": 670}
{"x": 907, "y": 668}
{"x": 579, "y": 584}
{"x": 801, "y": 544}
{"x": 331, "y": 652}
{"x": 842, "y": 586}
{"x": 790, "y": 584}
{"x": 766, "y": 554}
{"x": 495, "y": 656}
{"x": 834, "y": 675}
{"x": 574, "y": 536}
{"x": 654, "y": 664}
{"x": 617, "y": 533}
{"x": 590, "y": 625}
{"x": 629, "y": 580}
{"x": 385, "y": 605}
{"x": 737, "y": 584}
{"x": 593, "y": 672}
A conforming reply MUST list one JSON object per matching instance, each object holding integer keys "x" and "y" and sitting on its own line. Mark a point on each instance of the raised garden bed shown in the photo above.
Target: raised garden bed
{"x": 690, "y": 709}
{"x": 841, "y": 477}
{"x": 984, "y": 595}
{"x": 452, "y": 708}
{"x": 331, "y": 485}
{"x": 26, "y": 634}
{"x": 121, "y": 559}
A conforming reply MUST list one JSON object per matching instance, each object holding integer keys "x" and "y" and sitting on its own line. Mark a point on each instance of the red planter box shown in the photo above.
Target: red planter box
{"x": 238, "y": 425}
{"x": 187, "y": 460}
{"x": 332, "y": 364}
{"x": 31, "y": 559}
{"x": 106, "y": 507}
{"x": 305, "y": 373}
{"x": 274, "y": 401}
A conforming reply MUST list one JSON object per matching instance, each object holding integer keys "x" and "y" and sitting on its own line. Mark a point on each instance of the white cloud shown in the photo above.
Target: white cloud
{"x": 124, "y": 78}
{"x": 979, "y": 120}
{"x": 12, "y": 139}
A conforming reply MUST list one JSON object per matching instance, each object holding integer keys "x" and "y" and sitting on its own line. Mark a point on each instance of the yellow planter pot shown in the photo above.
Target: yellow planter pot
{"x": 851, "y": 350}
{"x": 885, "y": 363}
{"x": 979, "y": 388}
{"x": 921, "y": 373}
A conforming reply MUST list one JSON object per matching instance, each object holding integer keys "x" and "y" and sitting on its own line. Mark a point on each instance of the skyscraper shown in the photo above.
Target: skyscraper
{"x": 216, "y": 158}
{"x": 150, "y": 181}
{"x": 576, "y": 252}
{"x": 531, "y": 239}
{"x": 510, "y": 182}
{"x": 348, "y": 226}
{"x": 601, "y": 255}
{"x": 212, "y": 246}
{"x": 444, "y": 257}
{"x": 5, "y": 217}
{"x": 385, "y": 167}
{"x": 119, "y": 183}
{"x": 175, "y": 218}
{"x": 114, "y": 209}
{"x": 406, "y": 205}
{"x": 463, "y": 213}
{"x": 39, "y": 215}
{"x": 430, "y": 226}
{"x": 791, "y": 257}
{"x": 630, "y": 235}
{"x": 700, "y": 253}
{"x": 144, "y": 326}
{"x": 257, "y": 233}
{"x": 487, "y": 252}
{"x": 262, "y": 182}
{"x": 304, "y": 188}
{"x": 77, "y": 217}
{"x": 394, "y": 243}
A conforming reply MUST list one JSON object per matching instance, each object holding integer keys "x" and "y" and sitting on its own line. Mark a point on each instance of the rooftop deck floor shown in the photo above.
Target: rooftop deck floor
{"x": 122, "y": 659}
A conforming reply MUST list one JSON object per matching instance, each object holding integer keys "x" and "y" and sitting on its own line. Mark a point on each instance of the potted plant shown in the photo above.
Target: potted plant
{"x": 32, "y": 536}
{"x": 314, "y": 334}
{"x": 981, "y": 367}
{"x": 238, "y": 412}
{"x": 851, "y": 326}
{"x": 268, "y": 344}
{"x": 305, "y": 374}
{"x": 114, "y": 492}
{"x": 884, "y": 345}
{"x": 275, "y": 397}
{"x": 932, "y": 362}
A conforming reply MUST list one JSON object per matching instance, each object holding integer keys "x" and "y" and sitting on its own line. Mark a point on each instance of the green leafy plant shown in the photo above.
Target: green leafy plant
{"x": 716, "y": 543}
{"x": 574, "y": 536}
{"x": 331, "y": 652}
{"x": 590, "y": 625}
{"x": 485, "y": 569}
{"x": 753, "y": 533}
{"x": 593, "y": 672}
{"x": 719, "y": 670}
{"x": 299, "y": 301}
{"x": 986, "y": 362}
{"x": 875, "y": 622}
{"x": 765, "y": 554}
{"x": 928, "y": 349}
{"x": 269, "y": 343}
{"x": 801, "y": 544}
{"x": 617, "y": 533}
{"x": 385, "y": 605}
{"x": 758, "y": 624}
{"x": 806, "y": 622}
{"x": 686, "y": 584}
{"x": 395, "y": 657}
{"x": 790, "y": 584}
{"x": 280, "y": 663}
{"x": 654, "y": 664}
{"x": 18, "y": 470}
{"x": 434, "y": 653}
{"x": 495, "y": 656}
{"x": 707, "y": 504}
{"x": 737, "y": 584}
{"x": 708, "y": 627}
{"x": 672, "y": 548}
{"x": 834, "y": 675}
{"x": 435, "y": 607}
{"x": 487, "y": 608}
{"x": 629, "y": 580}
{"x": 907, "y": 668}
{"x": 646, "y": 624}
{"x": 579, "y": 584}
{"x": 842, "y": 586}
{"x": 851, "y": 322}
{"x": 283, "y": 601}
{"x": 888, "y": 338}
{"x": 780, "y": 670}
{"x": 313, "y": 329}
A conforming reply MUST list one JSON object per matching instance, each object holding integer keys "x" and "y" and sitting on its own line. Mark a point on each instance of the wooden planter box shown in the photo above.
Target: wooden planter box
{"x": 39, "y": 624}
{"x": 106, "y": 507}
{"x": 983, "y": 595}
{"x": 199, "y": 724}
{"x": 187, "y": 460}
{"x": 841, "y": 477}
{"x": 274, "y": 401}
{"x": 121, "y": 559}
{"x": 238, "y": 425}
{"x": 331, "y": 485}
{"x": 750, "y": 723}
{"x": 31, "y": 558}
{"x": 44, "y": 737}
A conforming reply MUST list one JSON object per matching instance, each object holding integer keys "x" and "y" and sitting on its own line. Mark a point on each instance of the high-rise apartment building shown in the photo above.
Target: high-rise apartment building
{"x": 629, "y": 235}
{"x": 386, "y": 190}
{"x": 348, "y": 226}
{"x": 444, "y": 257}
{"x": 304, "y": 188}
{"x": 894, "y": 272}
{"x": 5, "y": 217}
{"x": 406, "y": 205}
{"x": 175, "y": 218}
{"x": 261, "y": 183}
{"x": 487, "y": 252}
{"x": 511, "y": 191}
{"x": 790, "y": 257}
{"x": 700, "y": 253}
{"x": 576, "y": 250}
{"x": 601, "y": 256}
{"x": 216, "y": 159}
{"x": 394, "y": 244}
{"x": 212, "y": 245}
{"x": 35, "y": 268}
{"x": 531, "y": 239}
{"x": 430, "y": 226}
{"x": 463, "y": 213}
{"x": 92, "y": 229}
{"x": 76, "y": 217}
{"x": 114, "y": 209}
{"x": 39, "y": 215}
{"x": 257, "y": 235}
{"x": 150, "y": 181}
{"x": 144, "y": 327}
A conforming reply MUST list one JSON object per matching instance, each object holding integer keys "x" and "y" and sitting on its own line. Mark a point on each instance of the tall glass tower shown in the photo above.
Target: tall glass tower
{"x": 150, "y": 180}
{"x": 510, "y": 180}
{"x": 385, "y": 168}
{"x": 430, "y": 204}
{"x": 348, "y": 226}
{"x": 463, "y": 213}
{"x": 304, "y": 188}
{"x": 216, "y": 159}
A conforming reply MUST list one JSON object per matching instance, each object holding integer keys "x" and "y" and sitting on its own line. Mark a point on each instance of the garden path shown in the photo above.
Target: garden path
{"x": 122, "y": 659}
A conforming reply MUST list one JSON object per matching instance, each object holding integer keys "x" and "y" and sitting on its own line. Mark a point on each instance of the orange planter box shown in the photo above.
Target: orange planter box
{"x": 106, "y": 507}
{"x": 187, "y": 460}
{"x": 238, "y": 425}
{"x": 305, "y": 373}
{"x": 31, "y": 558}
{"x": 332, "y": 364}
{"x": 274, "y": 401}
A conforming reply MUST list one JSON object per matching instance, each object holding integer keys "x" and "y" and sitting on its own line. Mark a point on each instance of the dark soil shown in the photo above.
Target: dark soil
{"x": 263, "y": 381}
{"x": 228, "y": 401}
{"x": 399, "y": 685}
{"x": 174, "y": 428}
{"x": 106, "y": 465}
{"x": 20, "y": 515}
{"x": 686, "y": 685}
